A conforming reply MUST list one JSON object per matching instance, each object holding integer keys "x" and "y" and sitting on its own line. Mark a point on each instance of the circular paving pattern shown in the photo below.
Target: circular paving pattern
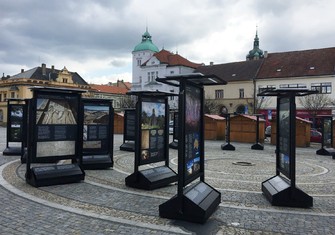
{"x": 243, "y": 208}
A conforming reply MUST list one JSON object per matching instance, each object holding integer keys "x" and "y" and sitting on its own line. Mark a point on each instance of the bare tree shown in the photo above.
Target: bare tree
{"x": 257, "y": 102}
{"x": 316, "y": 102}
{"x": 211, "y": 106}
{"x": 127, "y": 102}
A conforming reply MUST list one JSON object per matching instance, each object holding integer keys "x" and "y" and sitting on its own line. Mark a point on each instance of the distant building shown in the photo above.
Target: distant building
{"x": 17, "y": 86}
{"x": 310, "y": 69}
{"x": 115, "y": 93}
{"x": 150, "y": 63}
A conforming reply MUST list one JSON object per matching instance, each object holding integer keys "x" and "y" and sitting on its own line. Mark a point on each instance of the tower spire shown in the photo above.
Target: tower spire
{"x": 255, "y": 53}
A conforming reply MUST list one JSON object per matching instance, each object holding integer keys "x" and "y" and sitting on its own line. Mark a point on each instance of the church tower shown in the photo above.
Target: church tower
{"x": 255, "y": 53}
{"x": 141, "y": 53}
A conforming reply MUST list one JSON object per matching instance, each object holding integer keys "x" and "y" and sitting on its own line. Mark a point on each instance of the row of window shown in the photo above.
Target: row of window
{"x": 220, "y": 95}
{"x": 3, "y": 96}
{"x": 323, "y": 87}
{"x": 152, "y": 76}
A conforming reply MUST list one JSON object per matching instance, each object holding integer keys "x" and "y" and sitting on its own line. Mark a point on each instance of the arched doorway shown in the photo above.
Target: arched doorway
{"x": 240, "y": 109}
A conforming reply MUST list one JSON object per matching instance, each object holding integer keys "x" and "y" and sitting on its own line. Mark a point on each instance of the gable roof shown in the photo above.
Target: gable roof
{"x": 166, "y": 57}
{"x": 236, "y": 71}
{"x": 315, "y": 62}
{"x": 50, "y": 74}
{"x": 109, "y": 89}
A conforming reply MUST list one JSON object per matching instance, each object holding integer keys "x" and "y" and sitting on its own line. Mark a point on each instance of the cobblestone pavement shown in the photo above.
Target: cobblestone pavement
{"x": 102, "y": 204}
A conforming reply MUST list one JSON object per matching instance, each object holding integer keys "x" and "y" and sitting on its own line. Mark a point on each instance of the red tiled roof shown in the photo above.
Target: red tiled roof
{"x": 315, "y": 62}
{"x": 214, "y": 116}
{"x": 166, "y": 57}
{"x": 109, "y": 89}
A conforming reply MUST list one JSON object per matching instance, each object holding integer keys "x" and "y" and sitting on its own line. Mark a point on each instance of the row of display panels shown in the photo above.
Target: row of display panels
{"x": 57, "y": 124}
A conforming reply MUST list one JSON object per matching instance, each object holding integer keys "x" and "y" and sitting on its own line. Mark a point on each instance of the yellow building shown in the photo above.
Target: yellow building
{"x": 18, "y": 86}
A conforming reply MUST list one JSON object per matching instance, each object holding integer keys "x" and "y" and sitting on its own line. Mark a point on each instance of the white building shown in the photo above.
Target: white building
{"x": 150, "y": 63}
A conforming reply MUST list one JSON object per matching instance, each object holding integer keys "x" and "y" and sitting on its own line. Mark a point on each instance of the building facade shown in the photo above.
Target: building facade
{"x": 150, "y": 63}
{"x": 310, "y": 69}
{"x": 18, "y": 86}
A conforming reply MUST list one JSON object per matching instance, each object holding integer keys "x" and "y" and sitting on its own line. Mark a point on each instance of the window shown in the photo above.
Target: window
{"x": 148, "y": 76}
{"x": 218, "y": 94}
{"x": 324, "y": 88}
{"x": 0, "y": 97}
{"x": 152, "y": 76}
{"x": 241, "y": 91}
{"x": 171, "y": 72}
{"x": 12, "y": 94}
{"x": 64, "y": 80}
{"x": 267, "y": 87}
{"x": 292, "y": 86}
{"x": 139, "y": 63}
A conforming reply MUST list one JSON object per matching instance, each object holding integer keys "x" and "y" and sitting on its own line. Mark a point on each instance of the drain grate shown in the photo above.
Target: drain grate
{"x": 244, "y": 163}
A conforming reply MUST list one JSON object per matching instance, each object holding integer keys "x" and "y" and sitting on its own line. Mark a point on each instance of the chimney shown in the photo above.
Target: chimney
{"x": 44, "y": 71}
{"x": 211, "y": 63}
{"x": 265, "y": 54}
{"x": 22, "y": 70}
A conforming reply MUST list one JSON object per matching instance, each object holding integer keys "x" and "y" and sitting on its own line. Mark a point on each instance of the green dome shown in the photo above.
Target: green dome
{"x": 146, "y": 43}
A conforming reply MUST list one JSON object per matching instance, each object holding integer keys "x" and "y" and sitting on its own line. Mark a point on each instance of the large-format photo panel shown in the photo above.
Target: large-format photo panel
{"x": 15, "y": 122}
{"x": 57, "y": 125}
{"x": 193, "y": 135}
{"x": 284, "y": 155}
{"x": 153, "y": 131}
{"x": 96, "y": 133}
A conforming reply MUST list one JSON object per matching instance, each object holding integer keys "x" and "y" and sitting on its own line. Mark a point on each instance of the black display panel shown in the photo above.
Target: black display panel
{"x": 56, "y": 125}
{"x": 15, "y": 122}
{"x": 96, "y": 127}
{"x": 327, "y": 131}
{"x": 284, "y": 136}
{"x": 130, "y": 117}
{"x": 175, "y": 126}
{"x": 192, "y": 136}
{"x": 153, "y": 131}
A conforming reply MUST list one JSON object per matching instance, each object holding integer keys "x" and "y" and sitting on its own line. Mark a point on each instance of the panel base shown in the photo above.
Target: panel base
{"x": 326, "y": 152}
{"x": 228, "y": 146}
{"x": 11, "y": 151}
{"x": 54, "y": 175}
{"x": 152, "y": 178}
{"x": 173, "y": 144}
{"x": 95, "y": 162}
{"x": 257, "y": 146}
{"x": 128, "y": 146}
{"x": 196, "y": 205}
{"x": 279, "y": 192}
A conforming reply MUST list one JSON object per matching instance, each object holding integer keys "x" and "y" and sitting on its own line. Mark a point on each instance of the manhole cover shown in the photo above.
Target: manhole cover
{"x": 244, "y": 163}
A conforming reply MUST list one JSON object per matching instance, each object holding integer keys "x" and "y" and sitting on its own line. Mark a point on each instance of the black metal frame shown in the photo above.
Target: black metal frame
{"x": 228, "y": 146}
{"x": 326, "y": 150}
{"x": 158, "y": 176}
{"x": 15, "y": 150}
{"x": 99, "y": 158}
{"x": 174, "y": 143}
{"x": 128, "y": 141}
{"x": 54, "y": 174}
{"x": 257, "y": 145}
{"x": 205, "y": 199}
{"x": 279, "y": 190}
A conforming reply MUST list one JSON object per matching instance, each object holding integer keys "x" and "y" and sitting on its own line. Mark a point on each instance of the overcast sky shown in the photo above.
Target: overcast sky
{"x": 96, "y": 37}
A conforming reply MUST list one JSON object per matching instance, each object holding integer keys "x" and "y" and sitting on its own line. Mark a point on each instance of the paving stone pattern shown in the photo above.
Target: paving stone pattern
{"x": 102, "y": 204}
